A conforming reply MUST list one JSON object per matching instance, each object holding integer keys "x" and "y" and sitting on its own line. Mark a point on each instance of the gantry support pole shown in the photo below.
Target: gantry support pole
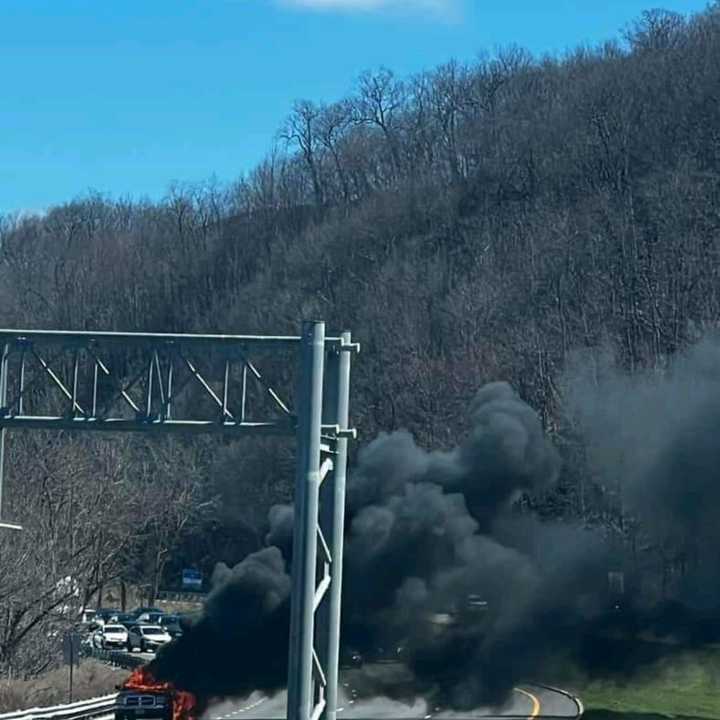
{"x": 3, "y": 402}
{"x": 309, "y": 420}
{"x": 332, "y": 518}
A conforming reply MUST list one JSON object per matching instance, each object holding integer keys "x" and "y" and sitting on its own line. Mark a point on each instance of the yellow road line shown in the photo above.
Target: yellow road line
{"x": 535, "y": 702}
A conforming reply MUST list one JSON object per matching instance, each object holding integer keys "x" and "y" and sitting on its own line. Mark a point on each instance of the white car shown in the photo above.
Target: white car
{"x": 111, "y": 636}
{"x": 148, "y": 638}
{"x": 87, "y": 616}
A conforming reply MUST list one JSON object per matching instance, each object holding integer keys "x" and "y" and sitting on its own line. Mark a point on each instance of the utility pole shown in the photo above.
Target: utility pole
{"x": 71, "y": 654}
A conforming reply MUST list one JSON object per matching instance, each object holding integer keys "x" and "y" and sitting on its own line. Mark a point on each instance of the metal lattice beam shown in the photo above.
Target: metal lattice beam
{"x": 93, "y": 396}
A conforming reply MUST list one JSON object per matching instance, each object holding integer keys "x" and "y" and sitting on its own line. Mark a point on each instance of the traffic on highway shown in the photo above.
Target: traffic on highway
{"x": 144, "y": 629}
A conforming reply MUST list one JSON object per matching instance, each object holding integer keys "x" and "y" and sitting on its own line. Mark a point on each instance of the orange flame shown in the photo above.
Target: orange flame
{"x": 185, "y": 705}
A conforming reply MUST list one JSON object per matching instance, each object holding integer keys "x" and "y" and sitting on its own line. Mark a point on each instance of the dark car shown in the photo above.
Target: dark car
{"x": 129, "y": 624}
{"x": 142, "y": 610}
{"x": 104, "y": 615}
{"x": 190, "y": 618}
{"x": 133, "y": 705}
{"x": 171, "y": 623}
{"x": 350, "y": 658}
{"x": 150, "y": 618}
{"x": 124, "y": 618}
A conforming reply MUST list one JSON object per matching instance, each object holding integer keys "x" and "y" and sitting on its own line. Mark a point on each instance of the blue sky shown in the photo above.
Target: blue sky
{"x": 125, "y": 96}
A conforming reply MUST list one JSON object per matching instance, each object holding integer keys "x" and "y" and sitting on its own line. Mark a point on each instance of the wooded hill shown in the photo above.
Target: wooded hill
{"x": 477, "y": 222}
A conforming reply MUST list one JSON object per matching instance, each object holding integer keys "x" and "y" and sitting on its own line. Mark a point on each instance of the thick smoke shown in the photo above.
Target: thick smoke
{"x": 506, "y": 453}
{"x": 426, "y": 530}
{"x": 240, "y": 643}
{"x": 653, "y": 438}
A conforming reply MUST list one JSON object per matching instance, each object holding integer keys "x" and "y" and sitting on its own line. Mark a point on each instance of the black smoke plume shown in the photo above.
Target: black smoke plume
{"x": 240, "y": 642}
{"x": 426, "y": 530}
{"x": 653, "y": 438}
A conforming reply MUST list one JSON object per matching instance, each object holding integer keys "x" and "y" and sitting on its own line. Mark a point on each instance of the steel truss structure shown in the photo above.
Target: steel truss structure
{"x": 144, "y": 382}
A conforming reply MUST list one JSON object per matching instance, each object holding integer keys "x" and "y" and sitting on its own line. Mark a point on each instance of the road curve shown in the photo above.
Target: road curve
{"x": 526, "y": 702}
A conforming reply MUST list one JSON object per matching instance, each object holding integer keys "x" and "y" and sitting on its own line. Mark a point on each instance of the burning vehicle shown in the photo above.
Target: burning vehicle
{"x": 142, "y": 696}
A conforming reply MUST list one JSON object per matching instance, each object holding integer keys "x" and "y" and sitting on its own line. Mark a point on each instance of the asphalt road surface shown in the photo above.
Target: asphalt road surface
{"x": 526, "y": 701}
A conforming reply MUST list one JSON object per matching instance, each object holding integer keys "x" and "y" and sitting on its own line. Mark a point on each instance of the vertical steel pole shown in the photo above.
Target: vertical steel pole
{"x": 95, "y": 390}
{"x": 3, "y": 402}
{"x": 309, "y": 420}
{"x": 332, "y": 521}
{"x": 2, "y": 469}
{"x": 72, "y": 662}
{"x": 21, "y": 389}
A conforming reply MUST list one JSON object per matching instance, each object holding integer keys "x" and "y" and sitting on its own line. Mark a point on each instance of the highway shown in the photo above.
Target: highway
{"x": 527, "y": 701}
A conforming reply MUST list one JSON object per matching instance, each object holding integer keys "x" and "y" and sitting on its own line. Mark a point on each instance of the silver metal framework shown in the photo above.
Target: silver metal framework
{"x": 84, "y": 381}
{"x": 319, "y": 526}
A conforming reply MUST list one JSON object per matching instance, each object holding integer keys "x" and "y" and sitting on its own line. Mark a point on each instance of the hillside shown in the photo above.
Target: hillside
{"x": 478, "y": 222}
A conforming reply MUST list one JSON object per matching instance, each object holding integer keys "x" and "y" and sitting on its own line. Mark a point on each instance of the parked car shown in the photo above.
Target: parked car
{"x": 142, "y": 610}
{"x": 111, "y": 636}
{"x": 147, "y": 638}
{"x": 88, "y": 634}
{"x": 87, "y": 616}
{"x": 151, "y": 618}
{"x": 188, "y": 619}
{"x": 171, "y": 623}
{"x": 130, "y": 624}
{"x": 87, "y": 643}
{"x": 350, "y": 658}
{"x": 105, "y": 615}
{"x": 124, "y": 618}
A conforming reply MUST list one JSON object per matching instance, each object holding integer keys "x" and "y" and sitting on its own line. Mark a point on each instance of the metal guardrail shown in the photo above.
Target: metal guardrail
{"x": 181, "y": 596}
{"x": 94, "y": 708}
{"x": 117, "y": 658}
{"x": 570, "y": 696}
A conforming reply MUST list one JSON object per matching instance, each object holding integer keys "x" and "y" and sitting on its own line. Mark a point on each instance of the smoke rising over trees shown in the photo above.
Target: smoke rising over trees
{"x": 652, "y": 436}
{"x": 428, "y": 529}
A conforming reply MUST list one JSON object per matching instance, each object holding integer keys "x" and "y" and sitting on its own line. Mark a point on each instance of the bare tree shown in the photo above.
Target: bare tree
{"x": 380, "y": 101}
{"x": 656, "y": 30}
{"x": 169, "y": 488}
{"x": 301, "y": 129}
{"x": 333, "y": 123}
{"x": 73, "y": 502}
